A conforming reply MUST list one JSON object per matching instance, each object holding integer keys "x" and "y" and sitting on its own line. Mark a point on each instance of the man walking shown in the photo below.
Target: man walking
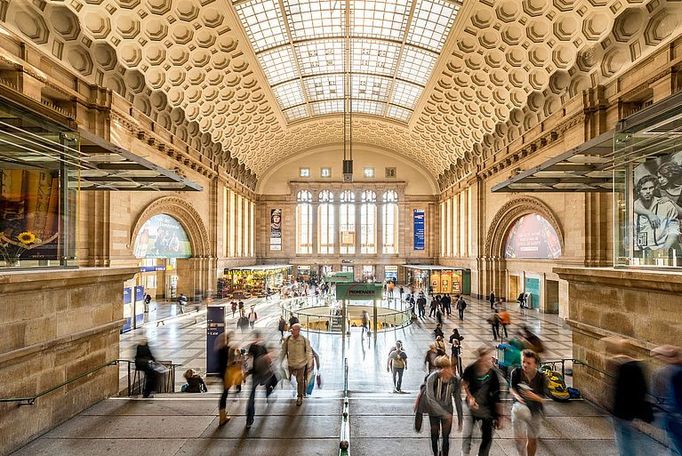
{"x": 481, "y": 385}
{"x": 528, "y": 390}
{"x": 492, "y": 299}
{"x": 397, "y": 363}
{"x": 461, "y": 305}
{"x": 299, "y": 354}
{"x": 261, "y": 374}
{"x": 421, "y": 304}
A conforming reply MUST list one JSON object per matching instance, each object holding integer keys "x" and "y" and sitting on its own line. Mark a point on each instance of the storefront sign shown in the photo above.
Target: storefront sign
{"x": 418, "y": 217}
{"x": 275, "y": 229}
{"x": 340, "y": 277}
{"x": 359, "y": 291}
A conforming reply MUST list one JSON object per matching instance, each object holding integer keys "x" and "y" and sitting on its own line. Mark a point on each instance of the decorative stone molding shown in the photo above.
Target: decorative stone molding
{"x": 508, "y": 214}
{"x": 188, "y": 217}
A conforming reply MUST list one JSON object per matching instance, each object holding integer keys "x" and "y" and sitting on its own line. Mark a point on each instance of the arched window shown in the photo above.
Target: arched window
{"x": 390, "y": 222}
{"x": 368, "y": 222}
{"x": 304, "y": 222}
{"x": 347, "y": 222}
{"x": 326, "y": 222}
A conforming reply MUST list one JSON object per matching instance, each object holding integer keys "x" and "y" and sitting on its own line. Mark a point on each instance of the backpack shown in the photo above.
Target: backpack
{"x": 556, "y": 385}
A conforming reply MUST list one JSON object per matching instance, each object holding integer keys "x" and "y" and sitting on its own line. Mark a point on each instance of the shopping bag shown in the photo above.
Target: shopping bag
{"x": 311, "y": 385}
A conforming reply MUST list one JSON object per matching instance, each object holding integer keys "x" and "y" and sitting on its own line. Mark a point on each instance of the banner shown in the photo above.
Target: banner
{"x": 127, "y": 309}
{"x": 138, "y": 307}
{"x": 275, "y": 229}
{"x": 418, "y": 217}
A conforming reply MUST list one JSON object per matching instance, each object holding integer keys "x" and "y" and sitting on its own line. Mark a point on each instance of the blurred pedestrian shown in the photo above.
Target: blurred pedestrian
{"x": 430, "y": 358}
{"x": 261, "y": 374}
{"x": 629, "y": 396}
{"x": 505, "y": 320}
{"x": 494, "y": 321}
{"x": 253, "y": 316}
{"x": 442, "y": 388}
{"x": 481, "y": 385}
{"x": 233, "y": 304}
{"x": 296, "y": 349}
{"x": 230, "y": 371}
{"x": 396, "y": 364}
{"x": 241, "y": 308}
{"x": 281, "y": 327}
{"x": 456, "y": 350}
{"x": 528, "y": 388}
{"x": 145, "y": 362}
{"x": 491, "y": 299}
{"x": 438, "y": 331}
{"x": 668, "y": 391}
{"x": 365, "y": 323}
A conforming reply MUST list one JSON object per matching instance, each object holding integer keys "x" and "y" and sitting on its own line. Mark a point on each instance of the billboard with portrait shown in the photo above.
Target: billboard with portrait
{"x": 275, "y": 229}
{"x": 657, "y": 209}
{"x": 532, "y": 237}
{"x": 162, "y": 236}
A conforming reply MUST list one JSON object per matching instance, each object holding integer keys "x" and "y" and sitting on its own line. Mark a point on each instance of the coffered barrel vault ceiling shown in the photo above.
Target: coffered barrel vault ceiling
{"x": 505, "y": 66}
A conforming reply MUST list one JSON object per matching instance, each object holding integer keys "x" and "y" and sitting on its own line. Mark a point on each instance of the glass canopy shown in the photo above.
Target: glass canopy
{"x": 394, "y": 48}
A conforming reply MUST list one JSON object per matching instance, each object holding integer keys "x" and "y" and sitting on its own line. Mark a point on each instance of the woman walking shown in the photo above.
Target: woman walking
{"x": 442, "y": 386}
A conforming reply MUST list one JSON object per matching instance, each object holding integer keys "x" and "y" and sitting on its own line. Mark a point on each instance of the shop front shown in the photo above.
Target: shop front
{"x": 253, "y": 281}
{"x": 438, "y": 279}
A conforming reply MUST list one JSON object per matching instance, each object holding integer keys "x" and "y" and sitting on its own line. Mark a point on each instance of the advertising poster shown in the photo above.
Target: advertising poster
{"x": 457, "y": 282}
{"x": 215, "y": 326}
{"x": 435, "y": 282}
{"x": 418, "y": 216}
{"x": 532, "y": 236}
{"x": 162, "y": 236}
{"x": 446, "y": 282}
{"x": 275, "y": 229}
{"x": 127, "y": 309}
{"x": 656, "y": 210}
{"x": 139, "y": 306}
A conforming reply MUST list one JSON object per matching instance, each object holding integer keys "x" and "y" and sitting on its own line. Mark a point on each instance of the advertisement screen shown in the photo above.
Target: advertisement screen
{"x": 162, "y": 236}
{"x": 275, "y": 229}
{"x": 656, "y": 210}
{"x": 532, "y": 236}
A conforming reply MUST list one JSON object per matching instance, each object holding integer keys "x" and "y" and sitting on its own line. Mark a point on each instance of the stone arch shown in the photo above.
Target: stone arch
{"x": 184, "y": 213}
{"x": 509, "y": 213}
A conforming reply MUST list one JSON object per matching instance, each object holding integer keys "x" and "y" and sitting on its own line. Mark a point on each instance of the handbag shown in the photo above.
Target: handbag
{"x": 234, "y": 376}
{"x": 310, "y": 386}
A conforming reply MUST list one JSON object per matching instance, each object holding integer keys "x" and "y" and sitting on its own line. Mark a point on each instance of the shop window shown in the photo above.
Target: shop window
{"x": 326, "y": 222}
{"x": 304, "y": 223}
{"x": 368, "y": 273}
{"x": 347, "y": 222}
{"x": 368, "y": 227}
{"x": 390, "y": 222}
{"x": 532, "y": 236}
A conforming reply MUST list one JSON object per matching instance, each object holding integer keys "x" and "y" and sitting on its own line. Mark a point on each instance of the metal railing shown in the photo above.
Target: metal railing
{"x": 169, "y": 381}
{"x": 344, "y": 439}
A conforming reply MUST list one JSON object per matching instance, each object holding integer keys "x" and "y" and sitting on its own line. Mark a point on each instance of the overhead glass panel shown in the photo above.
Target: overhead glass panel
{"x": 318, "y": 57}
{"x": 325, "y": 87}
{"x": 394, "y": 47}
{"x": 279, "y": 65}
{"x": 431, "y": 23}
{"x": 263, "y": 22}
{"x": 416, "y": 65}
{"x": 405, "y": 94}
{"x": 289, "y": 94}
{"x": 315, "y": 18}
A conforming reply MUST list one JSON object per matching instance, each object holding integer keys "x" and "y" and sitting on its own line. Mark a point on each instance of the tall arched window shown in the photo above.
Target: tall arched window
{"x": 390, "y": 222}
{"x": 326, "y": 222}
{"x": 304, "y": 222}
{"x": 368, "y": 222}
{"x": 347, "y": 222}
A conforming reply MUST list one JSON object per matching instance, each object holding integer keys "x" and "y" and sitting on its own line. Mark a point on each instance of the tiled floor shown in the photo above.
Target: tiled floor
{"x": 381, "y": 421}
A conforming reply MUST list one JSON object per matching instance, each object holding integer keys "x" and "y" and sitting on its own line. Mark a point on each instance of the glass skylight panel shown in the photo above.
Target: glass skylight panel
{"x": 289, "y": 94}
{"x": 399, "y": 113}
{"x": 324, "y": 87}
{"x": 374, "y": 56}
{"x": 263, "y": 22}
{"x": 369, "y": 87}
{"x": 379, "y": 18}
{"x": 321, "y": 108}
{"x": 320, "y": 57}
{"x": 295, "y": 113}
{"x": 405, "y": 94}
{"x": 315, "y": 18}
{"x": 278, "y": 65}
{"x": 416, "y": 65}
{"x": 368, "y": 107}
{"x": 431, "y": 23}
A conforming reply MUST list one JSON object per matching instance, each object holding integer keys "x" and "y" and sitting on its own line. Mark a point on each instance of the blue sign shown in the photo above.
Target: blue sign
{"x": 215, "y": 327}
{"x": 127, "y": 309}
{"x": 418, "y": 218}
{"x": 139, "y": 306}
{"x": 152, "y": 268}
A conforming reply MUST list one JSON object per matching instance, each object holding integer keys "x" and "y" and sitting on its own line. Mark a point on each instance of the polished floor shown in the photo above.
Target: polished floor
{"x": 381, "y": 421}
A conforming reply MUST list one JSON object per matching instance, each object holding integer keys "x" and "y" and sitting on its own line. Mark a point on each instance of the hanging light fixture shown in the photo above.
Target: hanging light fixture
{"x": 347, "y": 101}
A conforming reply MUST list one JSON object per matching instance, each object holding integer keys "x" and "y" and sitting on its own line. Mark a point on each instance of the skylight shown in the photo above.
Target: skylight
{"x": 394, "y": 48}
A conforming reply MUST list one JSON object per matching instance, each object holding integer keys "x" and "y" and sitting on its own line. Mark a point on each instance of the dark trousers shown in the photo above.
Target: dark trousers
{"x": 422, "y": 312}
{"x": 440, "y": 425}
{"x": 223, "y": 399}
{"x": 496, "y": 331}
{"x": 461, "y": 314}
{"x": 251, "y": 405}
{"x": 398, "y": 377}
{"x": 432, "y": 312}
{"x": 506, "y": 334}
{"x": 486, "y": 435}
{"x": 151, "y": 380}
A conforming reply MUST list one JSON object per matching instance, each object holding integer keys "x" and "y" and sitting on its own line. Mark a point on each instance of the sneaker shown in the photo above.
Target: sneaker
{"x": 299, "y": 401}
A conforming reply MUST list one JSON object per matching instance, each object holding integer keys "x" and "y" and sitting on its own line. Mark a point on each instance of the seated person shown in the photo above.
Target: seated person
{"x": 195, "y": 384}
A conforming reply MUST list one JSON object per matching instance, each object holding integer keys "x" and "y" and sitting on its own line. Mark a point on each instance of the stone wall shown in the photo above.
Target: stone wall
{"x": 642, "y": 306}
{"x": 54, "y": 328}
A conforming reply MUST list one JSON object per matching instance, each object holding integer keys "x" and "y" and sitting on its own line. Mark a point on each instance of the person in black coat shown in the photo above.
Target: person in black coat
{"x": 144, "y": 361}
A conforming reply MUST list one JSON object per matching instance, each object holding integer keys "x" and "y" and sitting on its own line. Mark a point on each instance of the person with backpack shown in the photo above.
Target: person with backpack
{"x": 441, "y": 388}
{"x": 397, "y": 363}
{"x": 195, "y": 383}
{"x": 505, "y": 320}
{"x": 528, "y": 388}
{"x": 481, "y": 385}
{"x": 296, "y": 349}
{"x": 461, "y": 305}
